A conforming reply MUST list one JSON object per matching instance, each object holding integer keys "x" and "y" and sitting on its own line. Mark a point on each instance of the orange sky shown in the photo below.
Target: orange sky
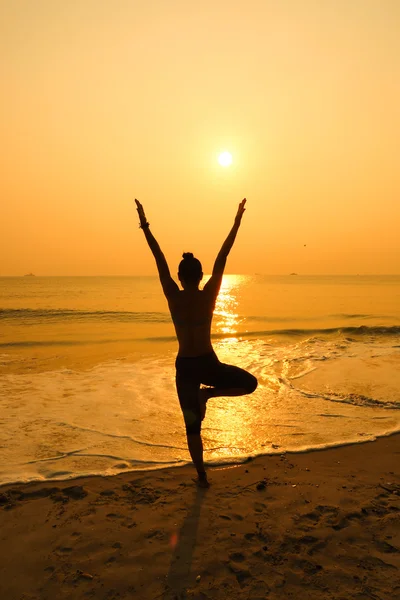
{"x": 106, "y": 101}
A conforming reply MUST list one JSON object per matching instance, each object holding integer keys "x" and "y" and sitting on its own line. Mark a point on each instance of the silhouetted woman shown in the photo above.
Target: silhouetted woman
{"x": 192, "y": 311}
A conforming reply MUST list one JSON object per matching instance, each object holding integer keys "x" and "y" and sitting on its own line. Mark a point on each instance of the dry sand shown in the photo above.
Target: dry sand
{"x": 320, "y": 525}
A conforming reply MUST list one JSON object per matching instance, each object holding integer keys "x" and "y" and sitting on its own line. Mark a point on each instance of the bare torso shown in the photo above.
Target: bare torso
{"x": 192, "y": 312}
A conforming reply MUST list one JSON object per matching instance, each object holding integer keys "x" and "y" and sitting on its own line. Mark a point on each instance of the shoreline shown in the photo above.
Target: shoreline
{"x": 322, "y": 524}
{"x": 209, "y": 466}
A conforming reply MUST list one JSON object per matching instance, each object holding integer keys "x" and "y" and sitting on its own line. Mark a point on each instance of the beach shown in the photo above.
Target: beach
{"x": 96, "y": 491}
{"x": 323, "y": 524}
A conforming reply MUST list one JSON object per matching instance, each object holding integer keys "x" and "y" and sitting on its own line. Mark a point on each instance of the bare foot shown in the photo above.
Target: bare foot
{"x": 203, "y": 397}
{"x": 202, "y": 483}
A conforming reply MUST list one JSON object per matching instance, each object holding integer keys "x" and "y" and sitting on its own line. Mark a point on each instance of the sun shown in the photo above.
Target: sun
{"x": 225, "y": 159}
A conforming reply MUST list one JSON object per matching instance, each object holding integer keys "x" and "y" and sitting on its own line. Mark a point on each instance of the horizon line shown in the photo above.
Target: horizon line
{"x": 208, "y": 274}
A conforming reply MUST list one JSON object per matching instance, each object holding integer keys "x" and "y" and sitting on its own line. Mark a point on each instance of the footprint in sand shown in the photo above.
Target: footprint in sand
{"x": 237, "y": 556}
{"x": 61, "y": 550}
{"x": 328, "y": 514}
{"x": 346, "y": 520}
{"x": 240, "y": 573}
{"x": 308, "y": 567}
{"x": 385, "y": 547}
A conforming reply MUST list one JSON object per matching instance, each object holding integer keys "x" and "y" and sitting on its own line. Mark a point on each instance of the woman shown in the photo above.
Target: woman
{"x": 192, "y": 311}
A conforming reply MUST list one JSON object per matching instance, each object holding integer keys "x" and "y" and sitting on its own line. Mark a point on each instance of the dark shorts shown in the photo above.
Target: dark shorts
{"x": 191, "y": 372}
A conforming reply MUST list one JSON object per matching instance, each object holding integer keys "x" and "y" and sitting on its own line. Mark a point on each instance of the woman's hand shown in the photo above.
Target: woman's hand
{"x": 240, "y": 211}
{"x": 142, "y": 216}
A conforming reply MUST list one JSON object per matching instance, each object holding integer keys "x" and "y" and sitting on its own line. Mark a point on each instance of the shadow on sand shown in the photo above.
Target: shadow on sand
{"x": 179, "y": 576}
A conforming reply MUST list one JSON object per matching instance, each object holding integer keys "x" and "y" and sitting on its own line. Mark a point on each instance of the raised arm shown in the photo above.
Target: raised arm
{"x": 168, "y": 284}
{"x": 214, "y": 283}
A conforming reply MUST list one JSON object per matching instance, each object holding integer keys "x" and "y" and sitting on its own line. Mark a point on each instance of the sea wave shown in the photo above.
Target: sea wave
{"x": 344, "y": 316}
{"x": 362, "y": 330}
{"x": 357, "y": 332}
{"x": 40, "y": 315}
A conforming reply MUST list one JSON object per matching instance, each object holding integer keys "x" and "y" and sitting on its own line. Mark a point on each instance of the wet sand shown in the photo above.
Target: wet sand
{"x": 319, "y": 525}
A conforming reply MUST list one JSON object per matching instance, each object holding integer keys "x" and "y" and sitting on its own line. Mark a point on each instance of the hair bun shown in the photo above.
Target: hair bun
{"x": 188, "y": 256}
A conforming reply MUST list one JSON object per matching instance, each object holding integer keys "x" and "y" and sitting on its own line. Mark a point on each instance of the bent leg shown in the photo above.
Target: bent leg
{"x": 228, "y": 380}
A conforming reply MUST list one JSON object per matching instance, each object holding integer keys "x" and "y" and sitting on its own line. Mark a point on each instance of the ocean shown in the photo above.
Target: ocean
{"x": 87, "y": 371}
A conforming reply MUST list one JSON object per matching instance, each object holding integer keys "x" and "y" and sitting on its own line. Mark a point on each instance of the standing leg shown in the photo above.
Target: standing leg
{"x": 195, "y": 445}
{"x": 188, "y": 393}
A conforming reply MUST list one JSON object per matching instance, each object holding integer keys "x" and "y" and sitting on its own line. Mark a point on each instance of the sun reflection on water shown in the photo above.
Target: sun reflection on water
{"x": 231, "y": 417}
{"x": 226, "y": 317}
